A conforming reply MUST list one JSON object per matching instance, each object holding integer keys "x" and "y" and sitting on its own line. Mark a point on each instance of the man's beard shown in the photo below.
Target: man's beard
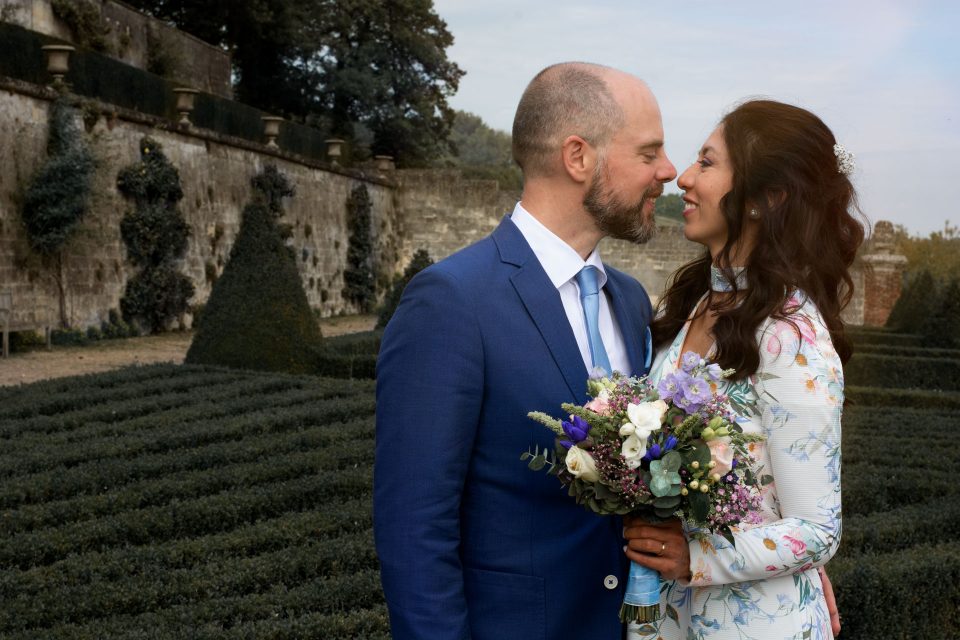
{"x": 616, "y": 218}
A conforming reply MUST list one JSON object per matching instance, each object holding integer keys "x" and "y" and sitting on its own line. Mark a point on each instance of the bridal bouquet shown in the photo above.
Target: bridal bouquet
{"x": 670, "y": 450}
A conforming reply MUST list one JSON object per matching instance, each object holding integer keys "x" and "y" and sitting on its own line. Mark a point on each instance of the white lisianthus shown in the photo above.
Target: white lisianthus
{"x": 646, "y": 416}
{"x": 581, "y": 464}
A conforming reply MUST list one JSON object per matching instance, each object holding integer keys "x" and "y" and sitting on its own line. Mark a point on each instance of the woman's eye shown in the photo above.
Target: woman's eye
{"x": 704, "y": 163}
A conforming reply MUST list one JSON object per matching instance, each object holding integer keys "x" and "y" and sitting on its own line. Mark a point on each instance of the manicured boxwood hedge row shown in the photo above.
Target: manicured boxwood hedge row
{"x": 194, "y": 502}
{"x": 904, "y": 372}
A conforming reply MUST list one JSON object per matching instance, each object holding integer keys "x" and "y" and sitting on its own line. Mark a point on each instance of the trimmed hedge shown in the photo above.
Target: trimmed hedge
{"x": 349, "y": 356}
{"x": 903, "y": 372}
{"x": 171, "y": 502}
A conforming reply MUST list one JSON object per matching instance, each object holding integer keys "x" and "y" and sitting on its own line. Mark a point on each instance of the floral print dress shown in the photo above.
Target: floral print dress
{"x": 767, "y": 586}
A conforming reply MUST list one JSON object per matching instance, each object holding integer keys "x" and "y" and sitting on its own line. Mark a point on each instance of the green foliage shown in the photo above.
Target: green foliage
{"x": 59, "y": 195}
{"x": 359, "y": 278}
{"x": 903, "y": 372}
{"x": 377, "y": 66}
{"x": 420, "y": 261}
{"x": 938, "y": 253}
{"x": 481, "y": 153}
{"x": 84, "y": 19}
{"x": 917, "y": 301}
{"x": 196, "y": 502}
{"x": 257, "y": 316}
{"x": 156, "y": 237}
{"x": 155, "y": 295}
{"x": 942, "y": 327}
{"x": 349, "y": 356}
{"x": 670, "y": 206}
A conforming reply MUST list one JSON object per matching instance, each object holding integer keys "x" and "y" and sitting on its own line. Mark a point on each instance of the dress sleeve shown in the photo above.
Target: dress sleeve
{"x": 800, "y": 399}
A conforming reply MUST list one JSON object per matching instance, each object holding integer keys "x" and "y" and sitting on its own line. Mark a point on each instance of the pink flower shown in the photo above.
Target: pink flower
{"x": 600, "y": 404}
{"x": 721, "y": 453}
{"x": 796, "y": 546}
{"x": 770, "y": 567}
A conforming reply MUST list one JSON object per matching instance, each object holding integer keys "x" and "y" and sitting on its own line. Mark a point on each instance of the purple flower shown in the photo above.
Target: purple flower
{"x": 577, "y": 429}
{"x": 671, "y": 385}
{"x": 696, "y": 390}
{"x": 686, "y": 404}
{"x": 670, "y": 443}
{"x": 714, "y": 371}
{"x": 689, "y": 361}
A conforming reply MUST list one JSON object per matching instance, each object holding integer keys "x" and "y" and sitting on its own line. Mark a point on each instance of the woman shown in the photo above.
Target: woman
{"x": 770, "y": 198}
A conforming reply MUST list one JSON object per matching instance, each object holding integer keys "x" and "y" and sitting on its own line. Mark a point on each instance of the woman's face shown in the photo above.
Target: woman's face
{"x": 705, "y": 182}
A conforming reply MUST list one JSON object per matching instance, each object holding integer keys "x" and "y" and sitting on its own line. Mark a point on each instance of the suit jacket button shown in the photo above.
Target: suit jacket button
{"x": 611, "y": 582}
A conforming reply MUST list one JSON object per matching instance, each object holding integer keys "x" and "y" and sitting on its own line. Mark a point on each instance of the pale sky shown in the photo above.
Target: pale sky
{"x": 884, "y": 75}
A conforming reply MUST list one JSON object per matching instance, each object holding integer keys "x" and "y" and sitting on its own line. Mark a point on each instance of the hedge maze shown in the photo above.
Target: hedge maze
{"x": 198, "y": 502}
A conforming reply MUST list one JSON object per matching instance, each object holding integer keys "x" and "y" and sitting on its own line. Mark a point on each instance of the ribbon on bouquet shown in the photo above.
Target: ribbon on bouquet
{"x": 641, "y": 602}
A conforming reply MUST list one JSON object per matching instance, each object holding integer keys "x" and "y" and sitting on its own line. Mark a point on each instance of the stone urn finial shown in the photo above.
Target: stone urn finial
{"x": 334, "y": 149}
{"x": 58, "y": 60}
{"x": 384, "y": 163}
{"x": 185, "y": 99}
{"x": 271, "y": 129}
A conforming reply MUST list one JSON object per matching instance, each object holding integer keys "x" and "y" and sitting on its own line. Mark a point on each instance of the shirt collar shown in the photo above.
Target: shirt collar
{"x": 557, "y": 258}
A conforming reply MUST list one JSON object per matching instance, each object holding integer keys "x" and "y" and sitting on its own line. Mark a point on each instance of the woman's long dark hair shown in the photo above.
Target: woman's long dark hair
{"x": 784, "y": 166}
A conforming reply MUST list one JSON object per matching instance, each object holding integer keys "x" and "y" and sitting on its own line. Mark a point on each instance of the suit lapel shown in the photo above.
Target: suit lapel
{"x": 631, "y": 328}
{"x": 542, "y": 302}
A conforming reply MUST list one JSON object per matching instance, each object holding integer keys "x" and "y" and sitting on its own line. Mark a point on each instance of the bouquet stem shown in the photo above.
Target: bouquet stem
{"x": 641, "y": 602}
{"x": 633, "y": 613}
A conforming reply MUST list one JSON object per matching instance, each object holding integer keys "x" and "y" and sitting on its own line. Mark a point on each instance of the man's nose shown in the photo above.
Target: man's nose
{"x": 667, "y": 171}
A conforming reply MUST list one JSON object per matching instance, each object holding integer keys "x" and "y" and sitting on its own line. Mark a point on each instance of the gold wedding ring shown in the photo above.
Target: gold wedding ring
{"x": 663, "y": 547}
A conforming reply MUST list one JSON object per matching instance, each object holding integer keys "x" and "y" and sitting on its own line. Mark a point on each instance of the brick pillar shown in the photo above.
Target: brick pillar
{"x": 882, "y": 276}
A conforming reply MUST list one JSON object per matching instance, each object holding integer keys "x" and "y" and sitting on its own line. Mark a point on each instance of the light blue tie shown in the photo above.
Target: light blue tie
{"x": 590, "y": 300}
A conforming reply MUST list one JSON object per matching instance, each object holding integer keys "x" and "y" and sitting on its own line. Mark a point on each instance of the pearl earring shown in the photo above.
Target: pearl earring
{"x": 754, "y": 214}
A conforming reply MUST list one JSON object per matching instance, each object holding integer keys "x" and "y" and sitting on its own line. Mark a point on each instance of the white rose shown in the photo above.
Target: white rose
{"x": 634, "y": 447}
{"x": 581, "y": 464}
{"x": 646, "y": 416}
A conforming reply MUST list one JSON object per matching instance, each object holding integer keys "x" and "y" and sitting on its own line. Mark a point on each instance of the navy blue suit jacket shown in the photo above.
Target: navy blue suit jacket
{"x": 472, "y": 544}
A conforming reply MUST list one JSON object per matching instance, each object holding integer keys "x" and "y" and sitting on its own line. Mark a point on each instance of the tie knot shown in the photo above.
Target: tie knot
{"x": 587, "y": 281}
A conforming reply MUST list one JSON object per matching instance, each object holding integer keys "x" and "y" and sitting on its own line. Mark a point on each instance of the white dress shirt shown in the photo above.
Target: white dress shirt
{"x": 562, "y": 264}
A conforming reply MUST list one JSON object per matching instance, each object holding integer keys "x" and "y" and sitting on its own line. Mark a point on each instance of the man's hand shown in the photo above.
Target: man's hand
{"x": 659, "y": 546}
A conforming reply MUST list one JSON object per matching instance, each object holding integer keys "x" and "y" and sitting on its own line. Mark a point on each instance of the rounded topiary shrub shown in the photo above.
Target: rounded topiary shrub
{"x": 257, "y": 316}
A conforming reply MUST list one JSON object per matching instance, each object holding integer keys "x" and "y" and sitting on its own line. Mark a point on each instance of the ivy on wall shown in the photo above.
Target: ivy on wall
{"x": 156, "y": 237}
{"x": 59, "y": 195}
{"x": 84, "y": 19}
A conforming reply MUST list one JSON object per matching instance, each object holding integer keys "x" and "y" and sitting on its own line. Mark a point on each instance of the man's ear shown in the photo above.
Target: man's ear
{"x": 579, "y": 158}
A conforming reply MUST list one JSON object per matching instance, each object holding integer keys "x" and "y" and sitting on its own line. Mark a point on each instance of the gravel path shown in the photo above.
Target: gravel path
{"x": 39, "y": 364}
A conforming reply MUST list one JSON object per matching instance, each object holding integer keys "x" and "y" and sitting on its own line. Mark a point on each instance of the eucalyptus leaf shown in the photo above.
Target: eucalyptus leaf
{"x": 663, "y": 513}
{"x": 537, "y": 463}
{"x": 667, "y": 502}
{"x": 671, "y": 461}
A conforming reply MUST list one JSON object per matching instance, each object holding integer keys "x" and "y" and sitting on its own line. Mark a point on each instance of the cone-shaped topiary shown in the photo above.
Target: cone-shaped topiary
{"x": 915, "y": 304}
{"x": 420, "y": 261}
{"x": 257, "y": 316}
{"x": 942, "y": 327}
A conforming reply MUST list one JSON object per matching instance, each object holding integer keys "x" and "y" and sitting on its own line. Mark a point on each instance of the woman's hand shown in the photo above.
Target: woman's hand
{"x": 660, "y": 546}
{"x": 831, "y": 601}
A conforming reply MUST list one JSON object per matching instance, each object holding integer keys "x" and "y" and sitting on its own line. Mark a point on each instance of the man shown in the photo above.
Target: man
{"x": 472, "y": 544}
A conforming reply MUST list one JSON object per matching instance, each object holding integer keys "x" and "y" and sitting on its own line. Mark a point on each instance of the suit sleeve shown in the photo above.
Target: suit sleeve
{"x": 801, "y": 399}
{"x": 429, "y": 392}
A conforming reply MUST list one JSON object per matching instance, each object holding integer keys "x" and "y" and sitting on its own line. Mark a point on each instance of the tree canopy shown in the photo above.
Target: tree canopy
{"x": 336, "y": 64}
